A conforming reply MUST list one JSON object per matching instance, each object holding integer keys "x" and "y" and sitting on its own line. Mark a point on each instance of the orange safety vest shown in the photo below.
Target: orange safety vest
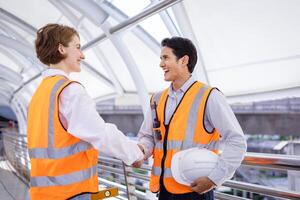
{"x": 185, "y": 130}
{"x": 61, "y": 165}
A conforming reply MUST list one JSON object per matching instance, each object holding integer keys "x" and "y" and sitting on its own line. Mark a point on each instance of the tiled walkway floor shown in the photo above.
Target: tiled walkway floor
{"x": 11, "y": 187}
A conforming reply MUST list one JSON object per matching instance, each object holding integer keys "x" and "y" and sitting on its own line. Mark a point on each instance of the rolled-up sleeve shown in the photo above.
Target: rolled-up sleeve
{"x": 220, "y": 116}
{"x": 84, "y": 122}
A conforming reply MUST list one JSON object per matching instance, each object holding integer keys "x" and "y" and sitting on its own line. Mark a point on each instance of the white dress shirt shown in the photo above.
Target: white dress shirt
{"x": 77, "y": 112}
{"x": 219, "y": 115}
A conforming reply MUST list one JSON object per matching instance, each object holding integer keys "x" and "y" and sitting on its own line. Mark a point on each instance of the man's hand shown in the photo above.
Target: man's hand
{"x": 138, "y": 163}
{"x": 202, "y": 185}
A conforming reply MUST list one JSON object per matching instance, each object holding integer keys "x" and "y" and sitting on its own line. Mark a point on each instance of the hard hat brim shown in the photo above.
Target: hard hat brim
{"x": 175, "y": 165}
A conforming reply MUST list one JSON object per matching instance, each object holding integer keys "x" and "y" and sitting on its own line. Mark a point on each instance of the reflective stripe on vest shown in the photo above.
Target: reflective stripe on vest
{"x": 192, "y": 117}
{"x": 51, "y": 112}
{"x": 45, "y": 181}
{"x": 156, "y": 171}
{"x": 156, "y": 97}
{"x": 178, "y": 145}
{"x": 57, "y": 153}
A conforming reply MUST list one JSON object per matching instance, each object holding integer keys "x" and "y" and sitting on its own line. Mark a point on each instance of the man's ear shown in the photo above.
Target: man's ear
{"x": 61, "y": 49}
{"x": 185, "y": 60}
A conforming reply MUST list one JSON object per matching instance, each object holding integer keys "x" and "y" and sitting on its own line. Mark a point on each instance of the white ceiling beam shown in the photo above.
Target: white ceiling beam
{"x": 9, "y": 17}
{"x": 164, "y": 15}
{"x": 10, "y": 75}
{"x": 15, "y": 59}
{"x": 187, "y": 31}
{"x": 89, "y": 9}
{"x": 143, "y": 35}
{"x": 146, "y": 13}
{"x": 94, "y": 72}
{"x": 13, "y": 33}
{"x": 113, "y": 81}
{"x": 26, "y": 51}
{"x": 120, "y": 46}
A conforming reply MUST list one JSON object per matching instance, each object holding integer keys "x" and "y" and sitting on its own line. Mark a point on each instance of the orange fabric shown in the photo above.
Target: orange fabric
{"x": 179, "y": 121}
{"x": 176, "y": 132}
{"x": 199, "y": 126}
{"x": 154, "y": 183}
{"x": 64, "y": 192}
{"x": 49, "y": 167}
{"x": 38, "y": 127}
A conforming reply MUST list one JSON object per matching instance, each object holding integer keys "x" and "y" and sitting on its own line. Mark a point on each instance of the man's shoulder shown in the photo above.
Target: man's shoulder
{"x": 160, "y": 92}
{"x": 216, "y": 97}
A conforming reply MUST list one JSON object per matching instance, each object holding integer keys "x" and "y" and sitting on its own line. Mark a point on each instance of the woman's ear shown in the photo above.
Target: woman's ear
{"x": 61, "y": 49}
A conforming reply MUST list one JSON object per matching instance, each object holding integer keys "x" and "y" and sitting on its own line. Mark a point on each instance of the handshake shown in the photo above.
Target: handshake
{"x": 138, "y": 163}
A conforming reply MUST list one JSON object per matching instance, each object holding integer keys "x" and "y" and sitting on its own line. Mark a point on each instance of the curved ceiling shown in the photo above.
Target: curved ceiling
{"x": 250, "y": 50}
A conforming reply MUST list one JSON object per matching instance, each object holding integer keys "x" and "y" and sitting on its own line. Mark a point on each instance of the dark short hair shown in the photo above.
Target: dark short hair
{"x": 181, "y": 47}
{"x": 48, "y": 39}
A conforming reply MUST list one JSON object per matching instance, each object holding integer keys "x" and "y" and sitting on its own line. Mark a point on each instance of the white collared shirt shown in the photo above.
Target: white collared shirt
{"x": 219, "y": 115}
{"x": 77, "y": 112}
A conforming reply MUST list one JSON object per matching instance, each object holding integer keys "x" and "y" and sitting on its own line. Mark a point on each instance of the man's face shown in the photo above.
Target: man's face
{"x": 173, "y": 68}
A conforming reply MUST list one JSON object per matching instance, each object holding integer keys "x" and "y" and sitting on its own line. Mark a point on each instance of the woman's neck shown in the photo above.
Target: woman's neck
{"x": 60, "y": 66}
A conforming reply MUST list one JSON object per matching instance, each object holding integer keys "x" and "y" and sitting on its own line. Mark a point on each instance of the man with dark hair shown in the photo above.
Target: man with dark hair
{"x": 188, "y": 114}
{"x": 181, "y": 47}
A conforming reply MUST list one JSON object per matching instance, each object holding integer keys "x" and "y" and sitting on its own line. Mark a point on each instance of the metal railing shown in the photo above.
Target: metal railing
{"x": 134, "y": 182}
{"x": 15, "y": 148}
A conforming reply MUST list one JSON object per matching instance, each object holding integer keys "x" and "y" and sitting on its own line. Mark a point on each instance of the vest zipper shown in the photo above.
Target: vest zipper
{"x": 166, "y": 137}
{"x": 164, "y": 156}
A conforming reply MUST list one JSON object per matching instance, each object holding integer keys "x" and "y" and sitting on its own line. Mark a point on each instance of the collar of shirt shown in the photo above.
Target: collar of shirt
{"x": 183, "y": 88}
{"x": 54, "y": 72}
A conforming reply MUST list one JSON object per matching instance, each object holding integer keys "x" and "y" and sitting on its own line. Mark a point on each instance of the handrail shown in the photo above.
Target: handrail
{"x": 223, "y": 196}
{"x": 115, "y": 166}
{"x": 268, "y": 191}
{"x": 261, "y": 160}
{"x": 272, "y": 161}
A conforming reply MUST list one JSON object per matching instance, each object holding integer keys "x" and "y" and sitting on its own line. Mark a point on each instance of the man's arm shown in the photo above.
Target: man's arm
{"x": 145, "y": 137}
{"x": 234, "y": 145}
{"x": 219, "y": 115}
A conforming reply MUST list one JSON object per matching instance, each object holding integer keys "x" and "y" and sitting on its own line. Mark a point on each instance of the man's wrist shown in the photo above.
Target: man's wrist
{"x": 142, "y": 148}
{"x": 213, "y": 183}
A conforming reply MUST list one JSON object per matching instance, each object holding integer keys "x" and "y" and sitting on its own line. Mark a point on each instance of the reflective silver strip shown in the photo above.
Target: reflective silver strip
{"x": 51, "y": 112}
{"x": 79, "y": 176}
{"x": 56, "y": 153}
{"x": 175, "y": 145}
{"x": 171, "y": 145}
{"x": 168, "y": 173}
{"x": 192, "y": 119}
{"x": 157, "y": 96}
{"x": 156, "y": 171}
{"x": 51, "y": 152}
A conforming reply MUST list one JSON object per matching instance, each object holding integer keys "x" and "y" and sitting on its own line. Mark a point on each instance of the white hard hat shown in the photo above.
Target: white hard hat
{"x": 190, "y": 164}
